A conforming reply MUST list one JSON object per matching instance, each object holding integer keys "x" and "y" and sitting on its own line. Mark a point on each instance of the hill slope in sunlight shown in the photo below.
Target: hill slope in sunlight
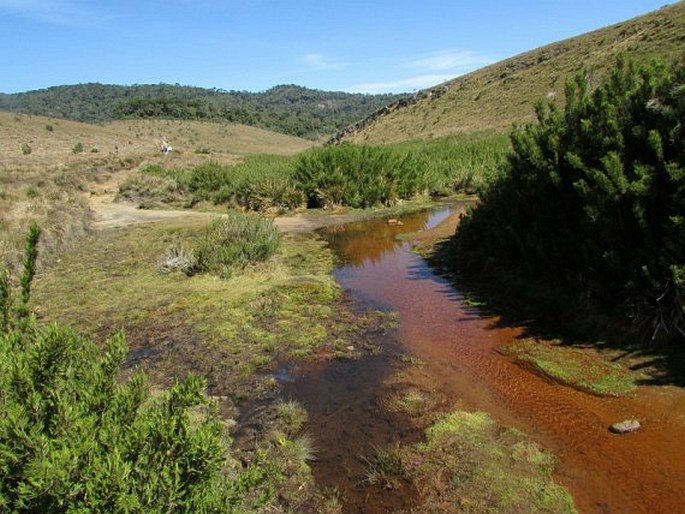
{"x": 49, "y": 167}
{"x": 37, "y": 142}
{"x": 504, "y": 93}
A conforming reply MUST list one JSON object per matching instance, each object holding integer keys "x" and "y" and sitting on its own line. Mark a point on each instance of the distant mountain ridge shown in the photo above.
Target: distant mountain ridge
{"x": 504, "y": 93}
{"x": 288, "y": 109}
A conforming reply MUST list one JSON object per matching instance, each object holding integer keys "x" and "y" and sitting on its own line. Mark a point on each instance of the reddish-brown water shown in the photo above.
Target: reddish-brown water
{"x": 640, "y": 472}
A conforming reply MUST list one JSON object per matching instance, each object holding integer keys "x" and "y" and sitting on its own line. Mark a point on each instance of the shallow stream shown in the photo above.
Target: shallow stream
{"x": 347, "y": 400}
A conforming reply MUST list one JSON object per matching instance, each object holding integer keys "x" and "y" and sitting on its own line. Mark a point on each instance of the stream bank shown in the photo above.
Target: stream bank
{"x": 460, "y": 367}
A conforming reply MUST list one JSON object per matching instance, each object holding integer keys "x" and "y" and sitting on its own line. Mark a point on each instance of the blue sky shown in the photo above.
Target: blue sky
{"x": 347, "y": 45}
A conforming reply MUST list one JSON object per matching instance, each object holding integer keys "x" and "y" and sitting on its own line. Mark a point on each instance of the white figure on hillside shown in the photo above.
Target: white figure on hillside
{"x": 166, "y": 148}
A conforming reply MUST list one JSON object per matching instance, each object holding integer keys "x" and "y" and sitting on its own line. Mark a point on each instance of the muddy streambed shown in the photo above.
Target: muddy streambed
{"x": 347, "y": 401}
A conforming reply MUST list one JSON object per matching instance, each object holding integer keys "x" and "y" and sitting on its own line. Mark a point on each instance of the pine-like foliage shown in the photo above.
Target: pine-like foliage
{"x": 592, "y": 200}
{"x": 74, "y": 437}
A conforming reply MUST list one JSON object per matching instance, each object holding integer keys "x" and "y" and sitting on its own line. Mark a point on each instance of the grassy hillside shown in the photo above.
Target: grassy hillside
{"x": 49, "y": 166}
{"x": 37, "y": 141}
{"x": 287, "y": 109}
{"x": 504, "y": 93}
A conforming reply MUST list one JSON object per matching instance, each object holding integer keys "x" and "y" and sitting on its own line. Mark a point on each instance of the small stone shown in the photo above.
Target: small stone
{"x": 625, "y": 427}
{"x": 350, "y": 348}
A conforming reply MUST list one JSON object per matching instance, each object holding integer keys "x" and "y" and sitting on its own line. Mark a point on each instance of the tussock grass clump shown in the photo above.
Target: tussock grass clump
{"x": 179, "y": 258}
{"x": 358, "y": 176}
{"x": 413, "y": 402}
{"x": 297, "y": 450}
{"x": 148, "y": 189}
{"x": 292, "y": 415}
{"x": 271, "y": 194}
{"x": 463, "y": 163}
{"x": 234, "y": 241}
{"x": 385, "y": 468}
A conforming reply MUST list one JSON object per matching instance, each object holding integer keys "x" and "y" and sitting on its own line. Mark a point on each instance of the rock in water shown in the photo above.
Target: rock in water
{"x": 625, "y": 427}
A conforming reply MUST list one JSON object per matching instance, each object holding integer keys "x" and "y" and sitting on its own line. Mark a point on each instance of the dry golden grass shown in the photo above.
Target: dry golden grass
{"x": 49, "y": 167}
{"x": 52, "y": 141}
{"x": 504, "y": 93}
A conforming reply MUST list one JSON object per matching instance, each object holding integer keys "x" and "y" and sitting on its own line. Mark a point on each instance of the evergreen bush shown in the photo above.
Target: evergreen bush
{"x": 592, "y": 200}
{"x": 77, "y": 437}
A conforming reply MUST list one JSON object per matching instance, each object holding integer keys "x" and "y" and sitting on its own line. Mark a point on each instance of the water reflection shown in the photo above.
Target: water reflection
{"x": 366, "y": 242}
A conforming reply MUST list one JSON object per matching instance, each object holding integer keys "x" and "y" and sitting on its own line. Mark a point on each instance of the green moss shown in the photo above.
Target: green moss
{"x": 471, "y": 463}
{"x": 225, "y": 328}
{"x": 582, "y": 368}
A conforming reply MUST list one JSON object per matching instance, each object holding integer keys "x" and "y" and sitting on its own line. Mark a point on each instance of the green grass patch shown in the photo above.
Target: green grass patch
{"x": 461, "y": 163}
{"x": 582, "y": 368}
{"x": 227, "y": 329}
{"x": 468, "y": 463}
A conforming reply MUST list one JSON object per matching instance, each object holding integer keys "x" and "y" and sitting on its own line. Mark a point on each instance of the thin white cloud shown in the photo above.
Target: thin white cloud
{"x": 400, "y": 86}
{"x": 431, "y": 69}
{"x": 450, "y": 60}
{"x": 57, "y": 12}
{"x": 321, "y": 62}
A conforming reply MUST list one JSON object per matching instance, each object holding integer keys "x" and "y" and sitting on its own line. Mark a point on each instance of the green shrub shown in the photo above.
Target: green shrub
{"x": 76, "y": 438}
{"x": 208, "y": 178}
{"x": 26, "y": 149}
{"x": 270, "y": 194}
{"x": 592, "y": 202}
{"x": 72, "y": 437}
{"x": 78, "y": 148}
{"x": 357, "y": 176}
{"x": 234, "y": 241}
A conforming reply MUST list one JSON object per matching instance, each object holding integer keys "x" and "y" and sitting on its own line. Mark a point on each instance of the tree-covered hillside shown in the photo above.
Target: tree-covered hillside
{"x": 288, "y": 109}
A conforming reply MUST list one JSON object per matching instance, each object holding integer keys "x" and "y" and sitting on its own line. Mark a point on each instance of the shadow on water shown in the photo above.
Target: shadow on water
{"x": 518, "y": 306}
